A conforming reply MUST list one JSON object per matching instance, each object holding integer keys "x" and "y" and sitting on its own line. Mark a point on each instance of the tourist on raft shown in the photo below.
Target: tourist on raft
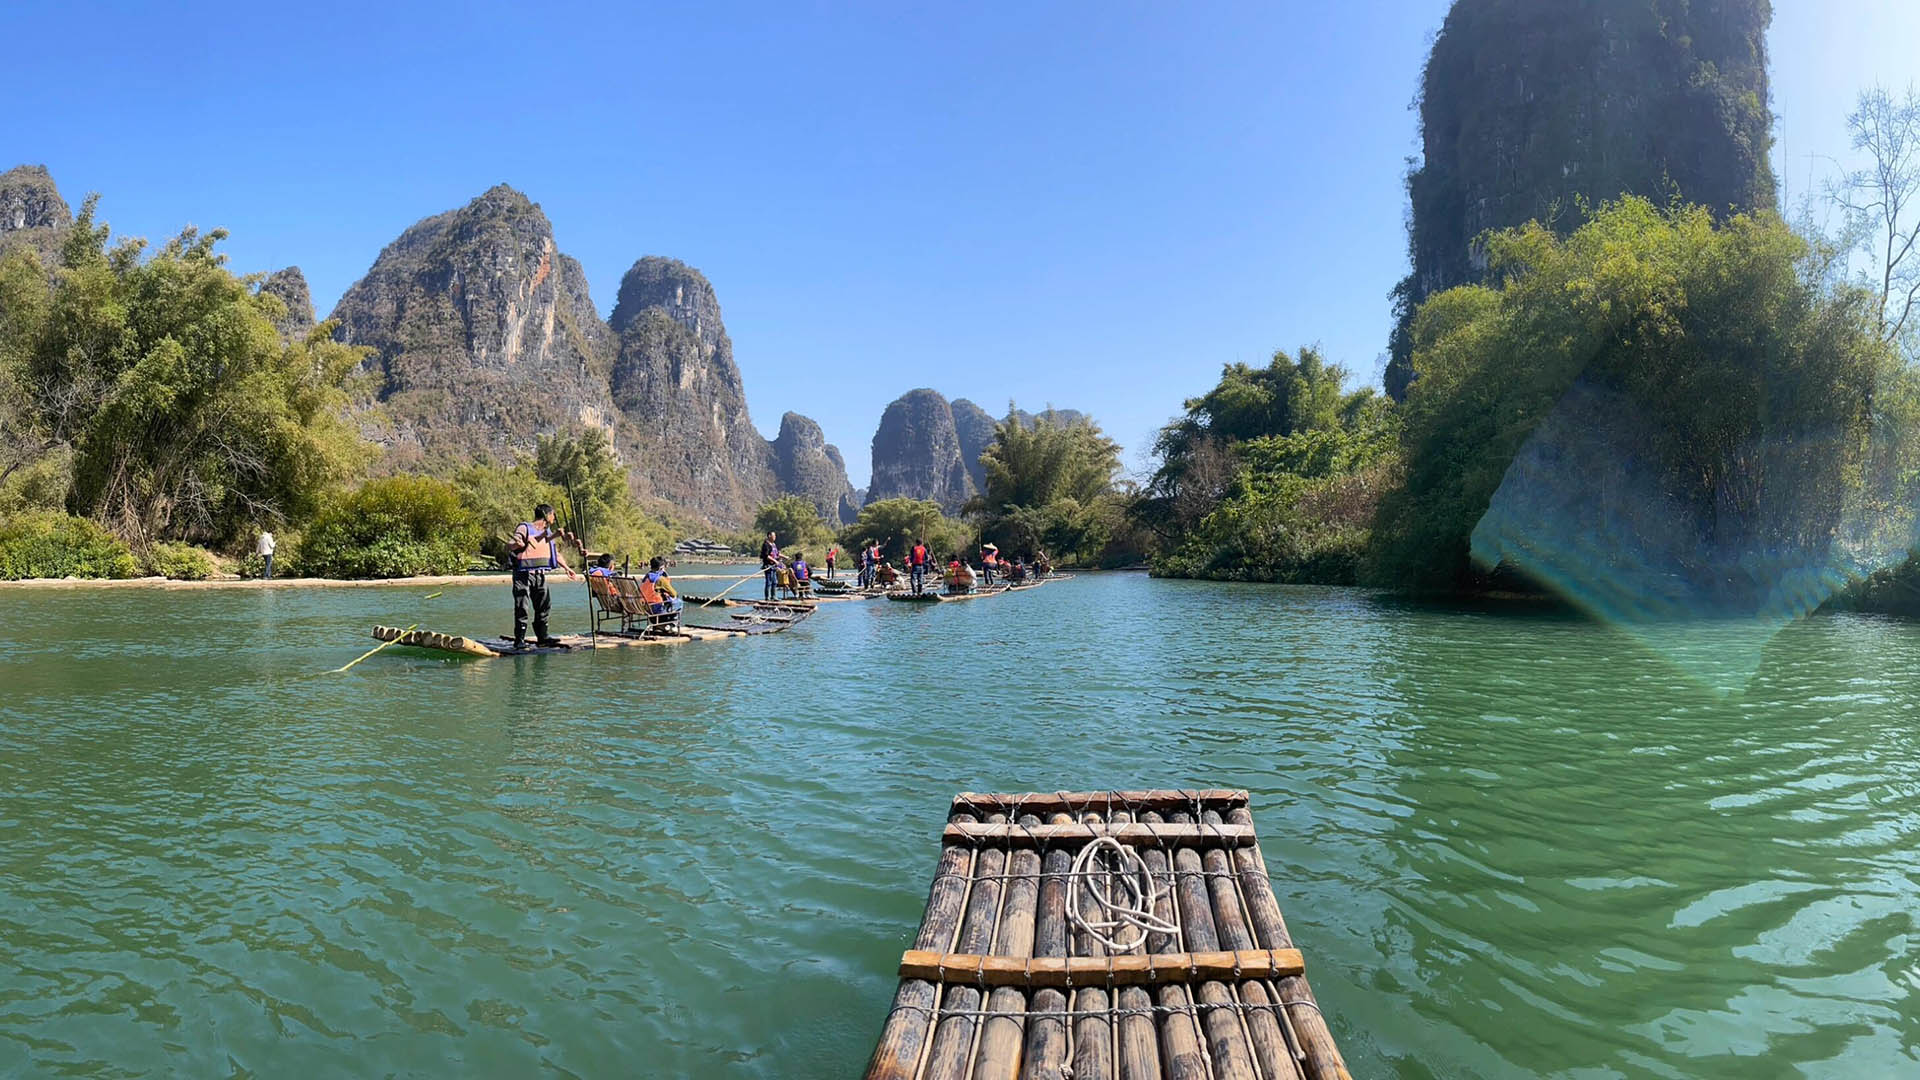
{"x": 656, "y": 589}
{"x": 919, "y": 558}
{"x": 770, "y": 566}
{"x": 602, "y": 565}
{"x": 831, "y": 552}
{"x": 885, "y": 575}
{"x": 535, "y": 552}
{"x": 959, "y": 576}
{"x": 802, "y": 576}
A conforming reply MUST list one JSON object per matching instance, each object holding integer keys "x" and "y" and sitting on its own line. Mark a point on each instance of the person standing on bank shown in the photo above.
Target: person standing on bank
{"x": 770, "y": 566}
{"x": 535, "y": 551}
{"x": 265, "y": 548}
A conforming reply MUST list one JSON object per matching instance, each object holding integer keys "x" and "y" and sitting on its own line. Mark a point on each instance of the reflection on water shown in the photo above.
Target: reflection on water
{"x": 1512, "y": 845}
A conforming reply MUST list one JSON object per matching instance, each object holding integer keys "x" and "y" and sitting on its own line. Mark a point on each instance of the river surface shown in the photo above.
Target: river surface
{"x": 1509, "y": 844}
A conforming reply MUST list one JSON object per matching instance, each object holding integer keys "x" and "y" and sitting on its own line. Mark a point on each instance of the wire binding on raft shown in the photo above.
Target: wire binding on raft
{"x": 1133, "y": 910}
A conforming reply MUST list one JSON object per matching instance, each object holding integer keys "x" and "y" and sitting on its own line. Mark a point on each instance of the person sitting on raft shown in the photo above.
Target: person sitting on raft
{"x": 885, "y": 575}
{"x": 959, "y": 576}
{"x": 802, "y": 576}
{"x": 1017, "y": 573}
{"x": 602, "y": 565}
{"x": 656, "y": 588}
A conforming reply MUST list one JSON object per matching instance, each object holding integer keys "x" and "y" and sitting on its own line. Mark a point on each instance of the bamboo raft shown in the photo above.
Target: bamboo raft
{"x": 763, "y": 619}
{"x": 938, "y": 597}
{"x": 1002, "y": 982}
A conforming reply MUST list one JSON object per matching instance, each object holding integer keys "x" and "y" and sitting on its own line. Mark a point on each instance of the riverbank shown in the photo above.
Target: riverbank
{"x": 495, "y": 578}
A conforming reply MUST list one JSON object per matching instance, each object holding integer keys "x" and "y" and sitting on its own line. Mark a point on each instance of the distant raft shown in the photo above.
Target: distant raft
{"x": 931, "y": 596}
{"x": 1103, "y": 936}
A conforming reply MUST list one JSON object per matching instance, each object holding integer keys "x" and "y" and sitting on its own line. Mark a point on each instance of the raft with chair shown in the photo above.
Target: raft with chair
{"x": 1104, "y": 936}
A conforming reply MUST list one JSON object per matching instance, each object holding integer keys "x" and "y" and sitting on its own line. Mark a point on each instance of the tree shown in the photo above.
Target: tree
{"x": 1882, "y": 204}
{"x": 795, "y": 520}
{"x": 895, "y": 524}
{"x": 1046, "y": 487}
{"x": 185, "y": 413}
{"x": 592, "y": 483}
{"x": 1683, "y": 388}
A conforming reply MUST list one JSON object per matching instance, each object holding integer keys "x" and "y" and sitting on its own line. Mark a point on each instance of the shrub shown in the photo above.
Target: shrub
{"x": 50, "y": 545}
{"x": 398, "y": 526}
{"x": 181, "y": 562}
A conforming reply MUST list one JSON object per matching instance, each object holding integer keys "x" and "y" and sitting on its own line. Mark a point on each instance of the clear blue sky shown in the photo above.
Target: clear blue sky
{"x": 1090, "y": 205}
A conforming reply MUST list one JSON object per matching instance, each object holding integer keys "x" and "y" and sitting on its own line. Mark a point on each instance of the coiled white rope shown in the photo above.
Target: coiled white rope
{"x": 1120, "y": 909}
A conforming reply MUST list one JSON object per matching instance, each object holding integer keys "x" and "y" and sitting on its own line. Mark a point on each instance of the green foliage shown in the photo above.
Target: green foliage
{"x": 1656, "y": 98}
{"x": 398, "y": 526}
{"x": 1050, "y": 486}
{"x": 1713, "y": 336}
{"x": 185, "y": 414}
{"x": 896, "y": 523}
{"x": 796, "y": 522}
{"x": 50, "y": 545}
{"x": 181, "y": 562}
{"x": 1271, "y": 476}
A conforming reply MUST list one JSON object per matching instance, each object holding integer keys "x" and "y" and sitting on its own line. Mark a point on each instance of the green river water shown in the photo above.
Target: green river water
{"x": 1509, "y": 844}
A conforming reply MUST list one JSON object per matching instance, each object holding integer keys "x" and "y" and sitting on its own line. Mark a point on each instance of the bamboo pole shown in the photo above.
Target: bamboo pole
{"x": 1227, "y": 1041}
{"x": 1093, "y": 1053}
{"x": 953, "y": 1036}
{"x": 904, "y": 1036}
{"x": 1323, "y": 1060}
{"x": 1270, "y": 1046}
{"x": 1046, "y": 1049}
{"x": 1004, "y": 1030}
{"x": 1181, "y": 1056}
{"x": 1139, "y": 1046}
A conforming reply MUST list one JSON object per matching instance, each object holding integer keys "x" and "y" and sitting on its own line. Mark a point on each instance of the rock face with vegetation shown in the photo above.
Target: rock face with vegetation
{"x": 290, "y": 285}
{"x": 805, "y": 464}
{"x": 31, "y": 209}
{"x": 974, "y": 427}
{"x": 679, "y": 392}
{"x": 483, "y": 335}
{"x": 928, "y": 448}
{"x": 1530, "y": 108}
{"x": 485, "y": 338}
{"x": 917, "y": 453}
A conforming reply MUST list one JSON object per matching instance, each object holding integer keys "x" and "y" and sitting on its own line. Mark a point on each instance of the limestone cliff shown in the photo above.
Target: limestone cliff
{"x": 805, "y": 464}
{"x": 483, "y": 334}
{"x": 680, "y": 395}
{"x": 31, "y": 209}
{"x": 917, "y": 455}
{"x": 928, "y": 448}
{"x": 1529, "y": 107}
{"x": 290, "y": 285}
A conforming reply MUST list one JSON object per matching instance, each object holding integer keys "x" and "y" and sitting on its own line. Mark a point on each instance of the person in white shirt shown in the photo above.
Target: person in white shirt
{"x": 265, "y": 548}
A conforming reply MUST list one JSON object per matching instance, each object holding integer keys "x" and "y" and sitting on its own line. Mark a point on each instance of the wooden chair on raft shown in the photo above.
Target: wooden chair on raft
{"x": 644, "y": 595}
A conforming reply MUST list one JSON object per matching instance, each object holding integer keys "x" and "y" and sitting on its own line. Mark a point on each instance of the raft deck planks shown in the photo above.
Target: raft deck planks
{"x": 1000, "y": 982}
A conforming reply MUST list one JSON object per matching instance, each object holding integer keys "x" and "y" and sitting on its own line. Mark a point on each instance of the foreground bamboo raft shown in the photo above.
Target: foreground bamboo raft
{"x": 1002, "y": 982}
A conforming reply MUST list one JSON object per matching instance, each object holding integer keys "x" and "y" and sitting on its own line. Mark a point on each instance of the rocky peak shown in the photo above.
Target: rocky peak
{"x": 1529, "y": 107}
{"x": 30, "y": 200}
{"x": 483, "y": 334}
{"x": 805, "y": 464}
{"x": 675, "y": 380}
{"x": 671, "y": 286}
{"x": 974, "y": 427}
{"x": 290, "y": 285}
{"x": 917, "y": 455}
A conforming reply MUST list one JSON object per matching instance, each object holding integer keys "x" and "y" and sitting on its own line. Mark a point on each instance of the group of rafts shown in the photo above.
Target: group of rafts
{"x": 622, "y": 619}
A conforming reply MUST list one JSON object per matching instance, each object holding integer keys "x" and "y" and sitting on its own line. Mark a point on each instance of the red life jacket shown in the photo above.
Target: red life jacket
{"x": 919, "y": 554}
